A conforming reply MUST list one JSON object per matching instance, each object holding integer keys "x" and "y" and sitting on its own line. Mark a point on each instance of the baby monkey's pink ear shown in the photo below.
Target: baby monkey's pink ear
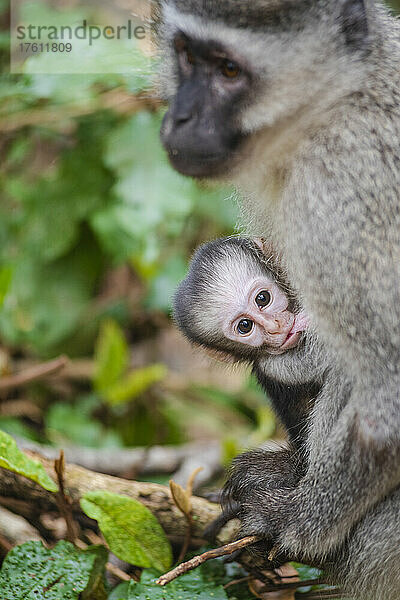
{"x": 270, "y": 254}
{"x": 265, "y": 246}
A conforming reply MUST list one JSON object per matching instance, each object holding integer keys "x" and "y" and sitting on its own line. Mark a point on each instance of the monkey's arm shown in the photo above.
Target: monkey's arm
{"x": 349, "y": 472}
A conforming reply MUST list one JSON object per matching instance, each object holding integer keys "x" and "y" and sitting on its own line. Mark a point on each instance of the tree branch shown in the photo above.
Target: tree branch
{"x": 78, "y": 481}
{"x": 174, "y": 460}
{"x": 33, "y": 374}
{"x": 202, "y": 558}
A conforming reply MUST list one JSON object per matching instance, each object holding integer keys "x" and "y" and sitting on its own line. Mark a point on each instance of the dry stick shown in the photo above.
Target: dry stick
{"x": 202, "y": 558}
{"x": 188, "y": 537}
{"x": 118, "y": 572}
{"x": 64, "y": 502}
{"x": 185, "y": 508}
{"x": 33, "y": 374}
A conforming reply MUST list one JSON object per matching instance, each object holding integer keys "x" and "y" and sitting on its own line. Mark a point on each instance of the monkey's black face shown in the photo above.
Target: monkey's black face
{"x": 200, "y": 131}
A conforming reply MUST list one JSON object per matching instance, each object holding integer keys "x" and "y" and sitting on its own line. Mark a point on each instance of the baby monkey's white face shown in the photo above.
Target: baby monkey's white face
{"x": 259, "y": 316}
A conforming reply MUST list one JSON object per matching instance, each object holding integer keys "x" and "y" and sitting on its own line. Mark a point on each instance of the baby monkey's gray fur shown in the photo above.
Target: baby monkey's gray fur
{"x": 205, "y": 301}
{"x": 298, "y": 103}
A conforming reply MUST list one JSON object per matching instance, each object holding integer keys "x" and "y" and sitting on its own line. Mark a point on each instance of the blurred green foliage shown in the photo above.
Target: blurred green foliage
{"x": 104, "y": 196}
{"x": 112, "y": 381}
{"x": 84, "y": 188}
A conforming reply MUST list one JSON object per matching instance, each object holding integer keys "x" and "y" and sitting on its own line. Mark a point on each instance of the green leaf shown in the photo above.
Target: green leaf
{"x": 14, "y": 460}
{"x": 130, "y": 529}
{"x": 135, "y": 384}
{"x": 31, "y": 571}
{"x": 266, "y": 425}
{"x": 17, "y": 428}
{"x": 305, "y": 573}
{"x": 120, "y": 592}
{"x": 230, "y": 449}
{"x": 190, "y": 586}
{"x": 111, "y": 356}
{"x": 5, "y": 280}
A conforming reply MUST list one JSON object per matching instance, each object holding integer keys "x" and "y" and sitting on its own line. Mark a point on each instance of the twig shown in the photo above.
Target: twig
{"x": 64, "y": 502}
{"x": 33, "y": 374}
{"x": 118, "y": 572}
{"x": 202, "y": 558}
{"x": 188, "y": 537}
{"x": 183, "y": 501}
{"x": 94, "y": 539}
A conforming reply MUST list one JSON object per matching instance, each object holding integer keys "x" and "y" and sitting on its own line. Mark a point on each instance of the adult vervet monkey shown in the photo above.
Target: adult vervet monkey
{"x": 297, "y": 102}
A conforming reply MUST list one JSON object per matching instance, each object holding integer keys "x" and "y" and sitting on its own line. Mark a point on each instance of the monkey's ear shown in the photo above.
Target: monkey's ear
{"x": 355, "y": 23}
{"x": 265, "y": 246}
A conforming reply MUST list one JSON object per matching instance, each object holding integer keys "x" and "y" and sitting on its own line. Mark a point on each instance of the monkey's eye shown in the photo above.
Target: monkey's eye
{"x": 263, "y": 299}
{"x": 245, "y": 326}
{"x": 230, "y": 69}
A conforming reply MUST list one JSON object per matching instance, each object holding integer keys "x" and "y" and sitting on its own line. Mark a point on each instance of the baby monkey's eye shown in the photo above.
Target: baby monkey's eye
{"x": 230, "y": 69}
{"x": 263, "y": 299}
{"x": 245, "y": 326}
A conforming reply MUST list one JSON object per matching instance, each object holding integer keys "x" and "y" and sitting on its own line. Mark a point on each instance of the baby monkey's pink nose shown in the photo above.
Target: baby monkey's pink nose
{"x": 275, "y": 325}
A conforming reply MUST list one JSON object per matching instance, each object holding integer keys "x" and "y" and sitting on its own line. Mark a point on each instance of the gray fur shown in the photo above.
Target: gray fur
{"x": 218, "y": 273}
{"x": 320, "y": 175}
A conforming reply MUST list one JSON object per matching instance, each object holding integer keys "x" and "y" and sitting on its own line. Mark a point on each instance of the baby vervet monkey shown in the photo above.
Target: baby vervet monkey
{"x": 235, "y": 304}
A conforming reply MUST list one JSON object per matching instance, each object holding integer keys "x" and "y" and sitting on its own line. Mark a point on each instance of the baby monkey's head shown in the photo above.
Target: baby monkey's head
{"x": 232, "y": 302}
